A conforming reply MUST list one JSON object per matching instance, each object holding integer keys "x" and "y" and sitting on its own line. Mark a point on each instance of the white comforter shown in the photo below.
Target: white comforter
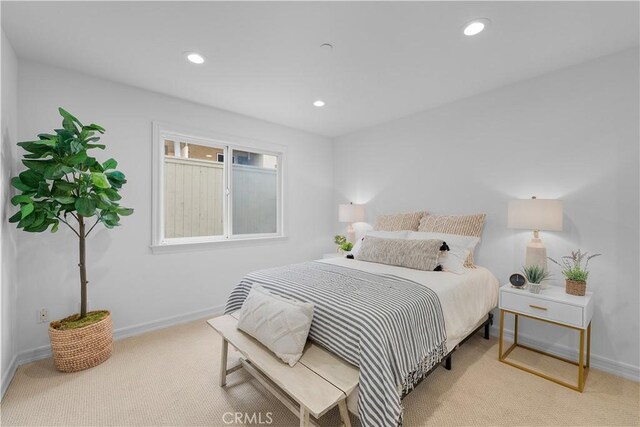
{"x": 465, "y": 298}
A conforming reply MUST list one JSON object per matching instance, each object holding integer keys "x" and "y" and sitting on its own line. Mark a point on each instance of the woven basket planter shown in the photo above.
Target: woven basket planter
{"x": 83, "y": 348}
{"x": 576, "y": 288}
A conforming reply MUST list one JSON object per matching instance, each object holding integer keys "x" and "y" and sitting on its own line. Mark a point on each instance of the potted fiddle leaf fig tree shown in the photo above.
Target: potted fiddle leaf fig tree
{"x": 64, "y": 184}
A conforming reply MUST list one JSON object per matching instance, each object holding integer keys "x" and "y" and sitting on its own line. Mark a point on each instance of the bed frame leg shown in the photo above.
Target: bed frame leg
{"x": 487, "y": 325}
{"x": 447, "y": 363}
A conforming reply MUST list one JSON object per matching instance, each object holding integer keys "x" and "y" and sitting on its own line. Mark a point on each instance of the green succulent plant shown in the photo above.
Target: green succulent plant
{"x": 535, "y": 273}
{"x": 64, "y": 184}
{"x": 347, "y": 246}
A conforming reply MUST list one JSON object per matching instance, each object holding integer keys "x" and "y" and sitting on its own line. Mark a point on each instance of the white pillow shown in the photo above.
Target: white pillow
{"x": 281, "y": 324}
{"x": 459, "y": 248}
{"x": 382, "y": 234}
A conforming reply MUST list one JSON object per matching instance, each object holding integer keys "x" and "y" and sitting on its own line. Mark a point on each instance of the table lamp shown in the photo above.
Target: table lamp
{"x": 351, "y": 213}
{"x": 535, "y": 214}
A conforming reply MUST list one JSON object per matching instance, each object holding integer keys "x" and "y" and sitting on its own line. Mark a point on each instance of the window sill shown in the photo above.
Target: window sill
{"x": 177, "y": 247}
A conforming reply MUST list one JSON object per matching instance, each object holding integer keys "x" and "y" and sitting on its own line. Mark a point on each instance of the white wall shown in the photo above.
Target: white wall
{"x": 123, "y": 274}
{"x": 8, "y": 232}
{"x": 572, "y": 135}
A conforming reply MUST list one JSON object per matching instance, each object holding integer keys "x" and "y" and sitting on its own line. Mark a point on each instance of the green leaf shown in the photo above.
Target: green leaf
{"x": 40, "y": 216}
{"x": 95, "y": 127}
{"x": 124, "y": 211}
{"x": 37, "y": 229}
{"x": 25, "y": 222}
{"x": 55, "y": 226}
{"x": 76, "y": 146}
{"x": 101, "y": 146}
{"x": 17, "y": 183}
{"x": 31, "y": 179}
{"x": 110, "y": 217}
{"x": 85, "y": 206}
{"x": 116, "y": 175}
{"x": 100, "y": 180}
{"x": 26, "y": 210}
{"x": 69, "y": 120}
{"x": 37, "y": 165}
{"x": 16, "y": 217}
{"x": 43, "y": 190}
{"x": 21, "y": 199}
{"x": 65, "y": 200}
{"x": 110, "y": 164}
{"x": 76, "y": 158}
{"x": 112, "y": 194}
{"x": 103, "y": 202}
{"x": 65, "y": 136}
{"x": 53, "y": 171}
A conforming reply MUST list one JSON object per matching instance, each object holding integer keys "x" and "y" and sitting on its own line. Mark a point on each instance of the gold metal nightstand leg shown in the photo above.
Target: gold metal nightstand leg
{"x": 515, "y": 330}
{"x": 581, "y": 362}
{"x": 589, "y": 345}
{"x": 501, "y": 334}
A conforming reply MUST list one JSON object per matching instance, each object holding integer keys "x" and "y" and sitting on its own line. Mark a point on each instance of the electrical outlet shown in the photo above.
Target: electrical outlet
{"x": 43, "y": 315}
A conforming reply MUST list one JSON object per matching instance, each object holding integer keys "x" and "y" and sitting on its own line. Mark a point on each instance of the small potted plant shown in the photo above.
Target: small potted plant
{"x": 343, "y": 245}
{"x": 574, "y": 272}
{"x": 535, "y": 275}
{"x": 64, "y": 184}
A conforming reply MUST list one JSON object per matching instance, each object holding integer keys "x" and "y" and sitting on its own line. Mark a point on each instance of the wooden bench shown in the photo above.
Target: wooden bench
{"x": 317, "y": 383}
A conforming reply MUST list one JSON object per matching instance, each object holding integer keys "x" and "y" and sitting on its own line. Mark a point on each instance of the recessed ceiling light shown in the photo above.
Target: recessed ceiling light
{"x": 318, "y": 103}
{"x": 194, "y": 57}
{"x": 208, "y": 155}
{"x": 476, "y": 26}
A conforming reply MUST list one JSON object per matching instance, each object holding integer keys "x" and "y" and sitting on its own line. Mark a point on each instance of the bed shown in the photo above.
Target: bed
{"x": 396, "y": 324}
{"x": 466, "y": 299}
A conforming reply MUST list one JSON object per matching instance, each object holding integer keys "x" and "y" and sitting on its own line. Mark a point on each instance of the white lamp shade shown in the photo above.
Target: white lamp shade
{"x": 535, "y": 214}
{"x": 350, "y": 213}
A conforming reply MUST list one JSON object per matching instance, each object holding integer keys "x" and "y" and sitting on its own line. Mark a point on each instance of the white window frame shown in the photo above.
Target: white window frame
{"x": 163, "y": 131}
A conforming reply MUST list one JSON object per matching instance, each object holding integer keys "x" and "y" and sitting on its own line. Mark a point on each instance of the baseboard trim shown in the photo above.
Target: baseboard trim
{"x": 605, "y": 364}
{"x": 44, "y": 352}
{"x": 7, "y": 376}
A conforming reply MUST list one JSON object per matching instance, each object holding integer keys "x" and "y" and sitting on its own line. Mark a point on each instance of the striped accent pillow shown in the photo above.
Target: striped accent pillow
{"x": 416, "y": 254}
{"x": 463, "y": 225}
{"x": 398, "y": 222}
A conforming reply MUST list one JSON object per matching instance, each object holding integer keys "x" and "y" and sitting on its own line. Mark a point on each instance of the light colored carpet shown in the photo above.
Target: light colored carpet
{"x": 169, "y": 377}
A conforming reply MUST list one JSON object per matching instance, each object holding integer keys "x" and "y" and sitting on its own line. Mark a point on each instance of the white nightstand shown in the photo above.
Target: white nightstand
{"x": 552, "y": 305}
{"x": 333, "y": 255}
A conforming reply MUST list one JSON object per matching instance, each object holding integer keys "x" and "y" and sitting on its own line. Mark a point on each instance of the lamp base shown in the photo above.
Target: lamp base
{"x": 351, "y": 234}
{"x": 536, "y": 255}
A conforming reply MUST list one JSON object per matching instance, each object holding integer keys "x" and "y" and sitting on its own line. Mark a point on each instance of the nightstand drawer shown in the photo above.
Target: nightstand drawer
{"x": 544, "y": 309}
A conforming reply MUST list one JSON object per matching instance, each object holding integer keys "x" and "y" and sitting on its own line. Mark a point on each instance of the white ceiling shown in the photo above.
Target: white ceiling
{"x": 264, "y": 59}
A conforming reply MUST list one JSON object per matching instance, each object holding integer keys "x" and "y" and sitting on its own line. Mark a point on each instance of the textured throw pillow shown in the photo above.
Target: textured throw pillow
{"x": 459, "y": 249}
{"x": 416, "y": 254}
{"x": 281, "y": 324}
{"x": 464, "y": 225}
{"x": 397, "y": 222}
{"x": 381, "y": 234}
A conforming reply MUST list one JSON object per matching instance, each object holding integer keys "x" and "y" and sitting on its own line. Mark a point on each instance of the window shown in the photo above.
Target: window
{"x": 214, "y": 189}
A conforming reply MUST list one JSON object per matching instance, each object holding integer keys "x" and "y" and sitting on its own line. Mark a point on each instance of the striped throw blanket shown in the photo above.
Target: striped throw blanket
{"x": 391, "y": 328}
